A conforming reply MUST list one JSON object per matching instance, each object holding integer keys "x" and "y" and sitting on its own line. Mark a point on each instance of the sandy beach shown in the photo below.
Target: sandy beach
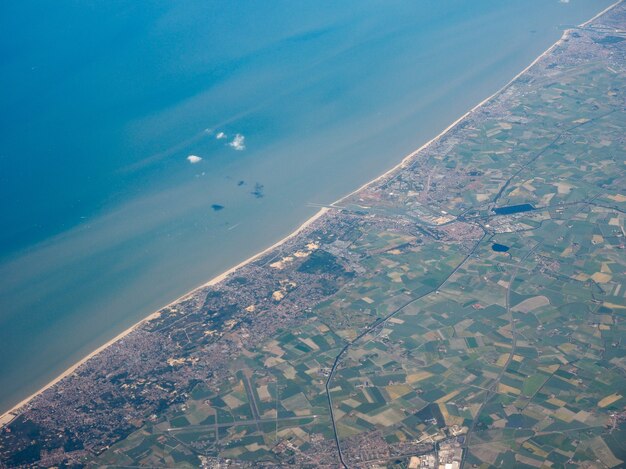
{"x": 9, "y": 415}
{"x": 14, "y": 411}
{"x": 414, "y": 153}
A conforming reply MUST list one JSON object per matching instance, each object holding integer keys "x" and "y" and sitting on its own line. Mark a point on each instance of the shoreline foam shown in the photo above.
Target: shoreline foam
{"x": 13, "y": 412}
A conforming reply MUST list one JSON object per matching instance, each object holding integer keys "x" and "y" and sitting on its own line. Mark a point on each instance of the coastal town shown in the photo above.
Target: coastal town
{"x": 465, "y": 309}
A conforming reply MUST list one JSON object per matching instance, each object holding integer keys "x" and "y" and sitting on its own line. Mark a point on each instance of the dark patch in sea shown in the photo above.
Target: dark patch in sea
{"x": 258, "y": 191}
{"x": 217, "y": 207}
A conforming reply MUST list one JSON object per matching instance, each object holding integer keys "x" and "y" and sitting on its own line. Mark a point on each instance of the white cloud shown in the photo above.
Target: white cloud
{"x": 239, "y": 142}
{"x": 193, "y": 159}
{"x": 564, "y": 1}
{"x": 220, "y": 135}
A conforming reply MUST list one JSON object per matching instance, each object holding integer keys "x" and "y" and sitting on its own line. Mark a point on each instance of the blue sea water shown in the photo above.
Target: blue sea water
{"x": 104, "y": 219}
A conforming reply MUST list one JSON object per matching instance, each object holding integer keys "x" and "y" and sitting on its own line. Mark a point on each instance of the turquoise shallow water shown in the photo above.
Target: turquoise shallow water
{"x": 105, "y": 220}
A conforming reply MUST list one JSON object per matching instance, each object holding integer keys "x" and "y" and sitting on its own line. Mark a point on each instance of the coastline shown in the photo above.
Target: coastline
{"x": 9, "y": 415}
{"x": 414, "y": 153}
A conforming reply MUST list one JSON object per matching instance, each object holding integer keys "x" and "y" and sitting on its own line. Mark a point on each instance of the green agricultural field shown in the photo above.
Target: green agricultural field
{"x": 433, "y": 332}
